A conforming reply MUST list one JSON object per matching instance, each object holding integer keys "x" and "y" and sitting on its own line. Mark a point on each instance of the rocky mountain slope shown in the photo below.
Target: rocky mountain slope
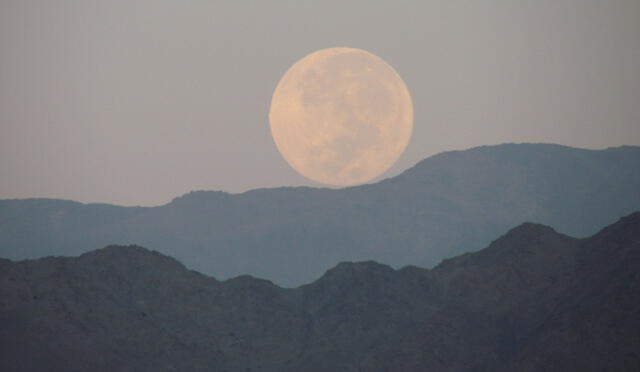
{"x": 446, "y": 205}
{"x": 533, "y": 300}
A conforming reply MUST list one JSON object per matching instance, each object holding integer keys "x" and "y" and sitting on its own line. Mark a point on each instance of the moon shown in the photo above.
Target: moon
{"x": 341, "y": 116}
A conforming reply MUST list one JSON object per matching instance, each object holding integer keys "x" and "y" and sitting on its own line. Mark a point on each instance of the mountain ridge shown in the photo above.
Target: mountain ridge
{"x": 314, "y": 188}
{"x": 446, "y": 205}
{"x": 130, "y": 308}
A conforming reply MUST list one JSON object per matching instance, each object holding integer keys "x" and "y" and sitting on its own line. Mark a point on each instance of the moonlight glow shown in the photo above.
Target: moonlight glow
{"x": 341, "y": 116}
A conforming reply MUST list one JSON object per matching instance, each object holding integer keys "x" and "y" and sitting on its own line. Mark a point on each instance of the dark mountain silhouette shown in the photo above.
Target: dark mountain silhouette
{"x": 534, "y": 300}
{"x": 448, "y": 204}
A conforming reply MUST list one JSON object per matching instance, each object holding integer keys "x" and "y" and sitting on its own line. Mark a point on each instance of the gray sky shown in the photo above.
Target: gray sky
{"x": 137, "y": 102}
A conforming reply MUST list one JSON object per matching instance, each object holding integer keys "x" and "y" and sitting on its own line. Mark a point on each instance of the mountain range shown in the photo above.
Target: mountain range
{"x": 533, "y": 300}
{"x": 447, "y": 204}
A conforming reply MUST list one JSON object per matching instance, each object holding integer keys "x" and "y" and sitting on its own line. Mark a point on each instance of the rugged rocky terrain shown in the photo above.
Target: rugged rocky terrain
{"x": 533, "y": 300}
{"x": 446, "y": 205}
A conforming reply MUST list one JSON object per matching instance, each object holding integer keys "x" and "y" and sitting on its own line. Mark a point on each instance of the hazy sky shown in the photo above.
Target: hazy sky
{"x": 137, "y": 102}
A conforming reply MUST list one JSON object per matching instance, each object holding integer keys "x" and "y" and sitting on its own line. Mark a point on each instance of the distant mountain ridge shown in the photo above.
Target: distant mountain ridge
{"x": 533, "y": 300}
{"x": 447, "y": 204}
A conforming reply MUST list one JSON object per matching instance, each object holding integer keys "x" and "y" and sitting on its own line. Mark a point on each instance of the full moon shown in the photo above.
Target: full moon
{"x": 341, "y": 116}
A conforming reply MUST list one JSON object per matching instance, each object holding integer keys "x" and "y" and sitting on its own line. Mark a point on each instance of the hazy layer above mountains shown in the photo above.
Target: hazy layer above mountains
{"x": 447, "y": 204}
{"x": 534, "y": 300}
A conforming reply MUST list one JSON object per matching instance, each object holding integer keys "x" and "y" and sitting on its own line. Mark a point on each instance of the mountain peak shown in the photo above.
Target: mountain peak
{"x": 249, "y": 281}
{"x": 359, "y": 268}
{"x": 355, "y": 273}
{"x": 529, "y": 237}
{"x": 116, "y": 250}
{"x": 531, "y": 229}
{"x": 526, "y": 243}
{"x": 128, "y": 255}
{"x": 198, "y": 196}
